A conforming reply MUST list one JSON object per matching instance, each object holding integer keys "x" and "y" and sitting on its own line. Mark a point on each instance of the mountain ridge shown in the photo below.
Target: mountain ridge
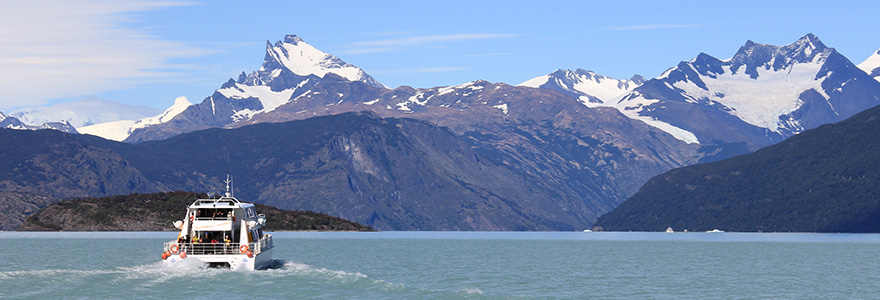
{"x": 760, "y": 96}
{"x": 388, "y": 173}
{"x": 822, "y": 180}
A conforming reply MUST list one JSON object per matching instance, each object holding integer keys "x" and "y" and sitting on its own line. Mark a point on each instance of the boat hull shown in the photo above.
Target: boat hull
{"x": 234, "y": 261}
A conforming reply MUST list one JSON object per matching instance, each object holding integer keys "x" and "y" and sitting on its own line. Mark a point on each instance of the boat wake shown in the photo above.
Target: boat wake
{"x": 194, "y": 279}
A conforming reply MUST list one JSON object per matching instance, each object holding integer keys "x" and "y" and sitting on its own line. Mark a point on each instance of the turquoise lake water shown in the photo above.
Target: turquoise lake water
{"x": 454, "y": 265}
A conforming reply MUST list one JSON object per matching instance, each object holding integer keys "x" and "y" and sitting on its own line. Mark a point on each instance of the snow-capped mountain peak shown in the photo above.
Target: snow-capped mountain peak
{"x": 590, "y": 88}
{"x": 11, "y": 122}
{"x": 872, "y": 65}
{"x": 297, "y": 56}
{"x": 774, "y": 91}
{"x": 180, "y": 104}
{"x": 119, "y": 130}
{"x": 752, "y": 56}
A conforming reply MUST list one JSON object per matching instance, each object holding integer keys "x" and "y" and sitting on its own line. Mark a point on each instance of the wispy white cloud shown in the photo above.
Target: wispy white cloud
{"x": 654, "y": 26}
{"x": 58, "y": 48}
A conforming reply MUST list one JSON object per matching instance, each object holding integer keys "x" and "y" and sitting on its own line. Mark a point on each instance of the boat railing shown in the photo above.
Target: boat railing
{"x": 220, "y": 248}
{"x": 264, "y": 243}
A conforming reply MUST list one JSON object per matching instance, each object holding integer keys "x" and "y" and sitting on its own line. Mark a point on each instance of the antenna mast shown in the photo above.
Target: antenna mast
{"x": 228, "y": 183}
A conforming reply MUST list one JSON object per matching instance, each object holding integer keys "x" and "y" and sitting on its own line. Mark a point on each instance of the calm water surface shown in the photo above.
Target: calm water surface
{"x": 455, "y": 265}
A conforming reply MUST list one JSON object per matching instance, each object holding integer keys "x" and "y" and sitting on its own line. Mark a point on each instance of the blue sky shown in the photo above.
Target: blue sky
{"x": 149, "y": 53}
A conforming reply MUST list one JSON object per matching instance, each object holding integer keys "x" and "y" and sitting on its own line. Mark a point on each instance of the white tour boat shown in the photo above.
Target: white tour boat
{"x": 224, "y": 233}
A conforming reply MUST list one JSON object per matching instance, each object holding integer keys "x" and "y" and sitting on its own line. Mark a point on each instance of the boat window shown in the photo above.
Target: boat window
{"x": 214, "y": 214}
{"x": 251, "y": 213}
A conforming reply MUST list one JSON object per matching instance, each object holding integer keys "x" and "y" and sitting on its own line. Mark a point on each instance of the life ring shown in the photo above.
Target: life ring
{"x": 243, "y": 248}
{"x": 174, "y": 248}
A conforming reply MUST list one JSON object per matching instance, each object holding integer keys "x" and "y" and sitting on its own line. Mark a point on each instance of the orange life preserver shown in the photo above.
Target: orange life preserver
{"x": 243, "y": 248}
{"x": 174, "y": 248}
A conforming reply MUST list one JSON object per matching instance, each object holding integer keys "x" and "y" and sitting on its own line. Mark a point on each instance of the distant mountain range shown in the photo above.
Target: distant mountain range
{"x": 579, "y": 143}
{"x": 83, "y": 113}
{"x": 760, "y": 96}
{"x": 7, "y": 121}
{"x": 823, "y": 180}
{"x": 390, "y": 174}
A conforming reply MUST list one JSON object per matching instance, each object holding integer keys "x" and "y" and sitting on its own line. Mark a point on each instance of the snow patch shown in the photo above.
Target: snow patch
{"x": 471, "y": 85}
{"x": 403, "y": 106}
{"x": 536, "y": 82}
{"x": 502, "y": 107}
{"x": 116, "y": 130}
{"x": 871, "y": 64}
{"x": 418, "y": 98}
{"x": 243, "y": 114}
{"x": 635, "y": 105}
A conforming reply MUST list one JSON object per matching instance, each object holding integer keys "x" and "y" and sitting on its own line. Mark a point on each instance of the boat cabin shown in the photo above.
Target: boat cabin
{"x": 220, "y": 226}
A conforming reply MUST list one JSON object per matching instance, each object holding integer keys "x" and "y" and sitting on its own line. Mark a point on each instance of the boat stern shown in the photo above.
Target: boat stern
{"x": 195, "y": 255}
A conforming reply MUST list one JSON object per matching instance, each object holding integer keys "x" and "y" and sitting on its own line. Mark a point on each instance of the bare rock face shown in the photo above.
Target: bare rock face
{"x": 16, "y": 207}
{"x": 59, "y": 165}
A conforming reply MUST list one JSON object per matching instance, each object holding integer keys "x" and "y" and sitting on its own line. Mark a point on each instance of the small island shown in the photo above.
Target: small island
{"x": 158, "y": 211}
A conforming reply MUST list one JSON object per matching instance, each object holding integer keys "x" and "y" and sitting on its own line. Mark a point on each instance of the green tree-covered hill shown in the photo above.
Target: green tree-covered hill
{"x": 157, "y": 212}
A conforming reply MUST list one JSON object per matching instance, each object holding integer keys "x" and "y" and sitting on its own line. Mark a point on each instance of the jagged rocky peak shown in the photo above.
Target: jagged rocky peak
{"x": 292, "y": 39}
{"x": 588, "y": 86}
{"x": 581, "y": 74}
{"x": 637, "y": 79}
{"x": 294, "y": 55}
{"x": 805, "y": 50}
{"x": 761, "y": 95}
